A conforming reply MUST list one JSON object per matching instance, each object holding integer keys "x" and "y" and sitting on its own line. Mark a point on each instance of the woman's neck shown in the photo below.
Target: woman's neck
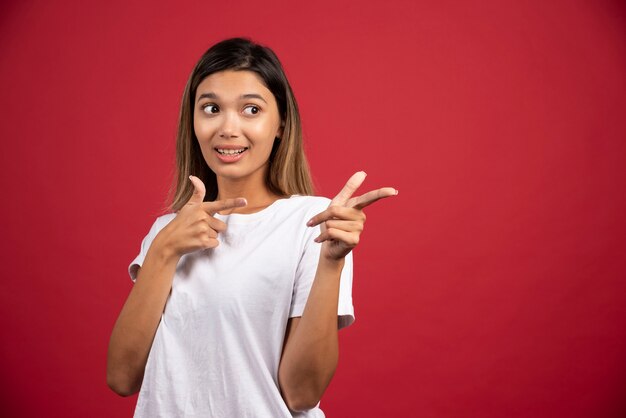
{"x": 255, "y": 191}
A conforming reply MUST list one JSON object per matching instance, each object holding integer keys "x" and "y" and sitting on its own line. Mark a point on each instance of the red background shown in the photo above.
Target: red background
{"x": 492, "y": 286}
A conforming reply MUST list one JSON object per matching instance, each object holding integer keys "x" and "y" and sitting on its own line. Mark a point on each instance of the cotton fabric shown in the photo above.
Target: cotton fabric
{"x": 217, "y": 347}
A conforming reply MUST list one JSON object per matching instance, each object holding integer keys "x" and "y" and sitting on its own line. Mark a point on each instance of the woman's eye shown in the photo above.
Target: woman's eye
{"x": 210, "y": 108}
{"x": 251, "y": 110}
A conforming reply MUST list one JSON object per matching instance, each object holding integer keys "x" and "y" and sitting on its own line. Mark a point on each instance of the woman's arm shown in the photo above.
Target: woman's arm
{"x": 311, "y": 348}
{"x": 134, "y": 330}
{"x": 194, "y": 228}
{"x": 311, "y": 351}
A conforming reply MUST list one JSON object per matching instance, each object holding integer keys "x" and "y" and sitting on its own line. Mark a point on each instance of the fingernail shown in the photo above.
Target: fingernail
{"x": 397, "y": 191}
{"x": 310, "y": 222}
{"x": 317, "y": 239}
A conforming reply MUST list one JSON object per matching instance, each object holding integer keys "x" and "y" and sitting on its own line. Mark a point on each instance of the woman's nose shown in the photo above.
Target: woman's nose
{"x": 230, "y": 126}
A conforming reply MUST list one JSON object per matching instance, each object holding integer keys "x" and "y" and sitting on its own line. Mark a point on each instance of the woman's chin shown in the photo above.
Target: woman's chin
{"x": 235, "y": 172}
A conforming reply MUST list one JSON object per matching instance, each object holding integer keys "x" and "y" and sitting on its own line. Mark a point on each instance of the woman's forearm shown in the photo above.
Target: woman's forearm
{"x": 136, "y": 325}
{"x": 310, "y": 356}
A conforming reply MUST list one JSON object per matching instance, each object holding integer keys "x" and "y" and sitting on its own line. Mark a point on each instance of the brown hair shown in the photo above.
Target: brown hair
{"x": 288, "y": 169}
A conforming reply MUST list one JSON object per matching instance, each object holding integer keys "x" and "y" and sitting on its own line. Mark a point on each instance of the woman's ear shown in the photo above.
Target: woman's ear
{"x": 279, "y": 134}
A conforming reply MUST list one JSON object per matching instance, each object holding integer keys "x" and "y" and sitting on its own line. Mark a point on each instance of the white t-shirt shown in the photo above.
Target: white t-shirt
{"x": 217, "y": 348}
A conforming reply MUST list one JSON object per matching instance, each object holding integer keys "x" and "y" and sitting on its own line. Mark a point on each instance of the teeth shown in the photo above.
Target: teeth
{"x": 231, "y": 151}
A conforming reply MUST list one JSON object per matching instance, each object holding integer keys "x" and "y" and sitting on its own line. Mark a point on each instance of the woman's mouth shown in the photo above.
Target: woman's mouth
{"x": 230, "y": 155}
{"x": 224, "y": 151}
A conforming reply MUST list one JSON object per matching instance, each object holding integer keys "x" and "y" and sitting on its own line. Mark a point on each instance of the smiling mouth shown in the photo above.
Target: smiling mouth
{"x": 230, "y": 151}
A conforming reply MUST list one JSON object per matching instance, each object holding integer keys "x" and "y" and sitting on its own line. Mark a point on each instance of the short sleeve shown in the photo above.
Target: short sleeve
{"x": 305, "y": 274}
{"x": 133, "y": 268}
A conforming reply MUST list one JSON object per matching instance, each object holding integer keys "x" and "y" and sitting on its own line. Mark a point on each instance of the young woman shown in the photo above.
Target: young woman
{"x": 240, "y": 291}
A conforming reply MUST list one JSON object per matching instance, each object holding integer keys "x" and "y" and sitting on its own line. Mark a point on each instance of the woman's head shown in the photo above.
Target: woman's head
{"x": 288, "y": 170}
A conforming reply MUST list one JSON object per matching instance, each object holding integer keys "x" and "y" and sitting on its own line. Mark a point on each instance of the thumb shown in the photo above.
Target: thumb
{"x": 198, "y": 192}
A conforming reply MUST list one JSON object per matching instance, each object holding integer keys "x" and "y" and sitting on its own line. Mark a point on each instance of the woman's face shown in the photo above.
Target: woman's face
{"x": 236, "y": 119}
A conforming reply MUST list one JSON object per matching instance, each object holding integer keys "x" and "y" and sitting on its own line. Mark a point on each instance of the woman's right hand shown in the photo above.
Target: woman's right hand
{"x": 194, "y": 227}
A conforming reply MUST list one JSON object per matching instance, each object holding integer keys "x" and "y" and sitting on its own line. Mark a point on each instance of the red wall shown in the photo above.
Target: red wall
{"x": 494, "y": 285}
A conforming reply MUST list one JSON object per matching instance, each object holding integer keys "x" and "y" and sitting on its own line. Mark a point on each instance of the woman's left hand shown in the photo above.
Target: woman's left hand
{"x": 342, "y": 223}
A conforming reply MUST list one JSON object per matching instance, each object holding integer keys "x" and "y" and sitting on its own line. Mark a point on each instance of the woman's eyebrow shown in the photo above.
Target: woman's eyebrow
{"x": 214, "y": 96}
{"x": 253, "y": 96}
{"x": 207, "y": 96}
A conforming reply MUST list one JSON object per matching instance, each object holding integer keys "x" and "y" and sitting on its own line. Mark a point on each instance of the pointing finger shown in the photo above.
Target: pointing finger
{"x": 216, "y": 226}
{"x": 370, "y": 197}
{"x": 336, "y": 212}
{"x": 348, "y": 190}
{"x": 198, "y": 190}
{"x": 213, "y": 207}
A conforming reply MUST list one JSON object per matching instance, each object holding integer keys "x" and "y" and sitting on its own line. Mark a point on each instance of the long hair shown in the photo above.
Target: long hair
{"x": 288, "y": 171}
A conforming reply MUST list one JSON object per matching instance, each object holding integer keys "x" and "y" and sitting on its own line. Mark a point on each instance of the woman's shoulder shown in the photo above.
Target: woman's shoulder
{"x": 160, "y": 222}
{"x": 165, "y": 218}
{"x": 308, "y": 202}
{"x": 309, "y": 199}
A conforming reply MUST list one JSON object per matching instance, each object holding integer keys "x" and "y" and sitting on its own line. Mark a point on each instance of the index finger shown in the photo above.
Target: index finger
{"x": 213, "y": 207}
{"x": 348, "y": 190}
{"x": 371, "y": 197}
